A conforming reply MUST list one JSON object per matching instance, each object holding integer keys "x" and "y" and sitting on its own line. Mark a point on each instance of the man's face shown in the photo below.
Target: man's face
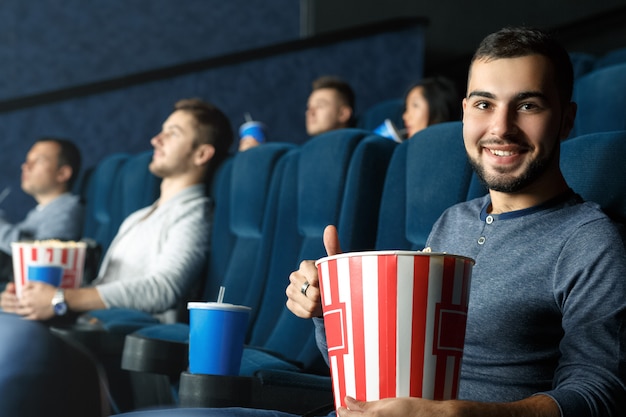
{"x": 40, "y": 171}
{"x": 513, "y": 121}
{"x": 325, "y": 112}
{"x": 174, "y": 145}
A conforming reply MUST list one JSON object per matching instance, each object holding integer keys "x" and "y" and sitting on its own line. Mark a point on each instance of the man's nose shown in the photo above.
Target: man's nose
{"x": 156, "y": 139}
{"x": 504, "y": 122}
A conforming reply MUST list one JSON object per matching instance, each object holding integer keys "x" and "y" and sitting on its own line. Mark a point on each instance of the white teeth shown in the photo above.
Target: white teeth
{"x": 501, "y": 153}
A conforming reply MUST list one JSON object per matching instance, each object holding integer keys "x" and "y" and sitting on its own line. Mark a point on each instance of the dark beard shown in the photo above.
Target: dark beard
{"x": 506, "y": 184}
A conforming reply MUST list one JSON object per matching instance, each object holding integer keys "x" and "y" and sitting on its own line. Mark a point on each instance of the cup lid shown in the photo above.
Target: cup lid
{"x": 216, "y": 306}
{"x": 393, "y": 252}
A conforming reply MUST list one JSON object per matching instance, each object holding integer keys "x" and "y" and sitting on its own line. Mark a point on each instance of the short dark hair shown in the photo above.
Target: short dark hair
{"x": 68, "y": 155}
{"x": 214, "y": 129}
{"x": 346, "y": 94}
{"x": 444, "y": 101}
{"x": 514, "y": 42}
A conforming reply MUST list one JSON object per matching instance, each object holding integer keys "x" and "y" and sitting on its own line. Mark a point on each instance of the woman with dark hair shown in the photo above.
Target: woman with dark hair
{"x": 428, "y": 102}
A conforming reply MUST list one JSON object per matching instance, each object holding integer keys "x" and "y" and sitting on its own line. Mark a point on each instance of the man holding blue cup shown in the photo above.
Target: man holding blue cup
{"x": 330, "y": 106}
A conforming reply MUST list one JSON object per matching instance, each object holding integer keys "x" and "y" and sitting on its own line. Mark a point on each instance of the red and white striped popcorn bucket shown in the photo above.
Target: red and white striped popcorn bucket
{"x": 395, "y": 323}
{"x": 69, "y": 255}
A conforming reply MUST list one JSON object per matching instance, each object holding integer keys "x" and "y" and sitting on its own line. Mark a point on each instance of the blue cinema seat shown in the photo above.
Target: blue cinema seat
{"x": 427, "y": 174}
{"x": 594, "y": 167}
{"x": 137, "y": 187}
{"x": 375, "y": 115}
{"x": 613, "y": 57}
{"x": 100, "y": 200}
{"x": 347, "y": 195}
{"x": 45, "y": 375}
{"x": 601, "y": 99}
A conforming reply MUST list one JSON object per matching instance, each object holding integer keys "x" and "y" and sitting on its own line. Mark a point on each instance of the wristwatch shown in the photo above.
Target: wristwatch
{"x": 58, "y": 303}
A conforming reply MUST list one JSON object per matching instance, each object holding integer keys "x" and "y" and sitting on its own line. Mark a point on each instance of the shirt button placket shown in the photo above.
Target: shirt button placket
{"x": 483, "y": 239}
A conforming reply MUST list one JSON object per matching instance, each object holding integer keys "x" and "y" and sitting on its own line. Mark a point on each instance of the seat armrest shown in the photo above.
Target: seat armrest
{"x": 156, "y": 356}
{"x": 268, "y": 390}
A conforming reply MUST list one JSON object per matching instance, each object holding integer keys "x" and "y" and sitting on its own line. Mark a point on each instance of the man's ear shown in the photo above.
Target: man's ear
{"x": 203, "y": 154}
{"x": 567, "y": 123}
{"x": 345, "y": 113}
{"x": 64, "y": 173}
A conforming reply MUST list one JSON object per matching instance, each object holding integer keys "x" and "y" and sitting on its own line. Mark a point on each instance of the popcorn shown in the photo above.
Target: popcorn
{"x": 68, "y": 254}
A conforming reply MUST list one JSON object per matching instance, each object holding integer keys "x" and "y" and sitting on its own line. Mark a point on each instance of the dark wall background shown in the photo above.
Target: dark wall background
{"x": 54, "y": 44}
{"x": 455, "y": 27}
{"x": 106, "y": 73}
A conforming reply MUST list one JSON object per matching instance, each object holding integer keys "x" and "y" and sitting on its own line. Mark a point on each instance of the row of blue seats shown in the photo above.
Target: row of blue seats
{"x": 278, "y": 189}
{"x": 379, "y": 194}
{"x": 272, "y": 204}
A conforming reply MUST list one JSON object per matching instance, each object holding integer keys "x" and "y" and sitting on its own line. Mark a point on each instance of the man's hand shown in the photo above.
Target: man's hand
{"x": 537, "y": 405}
{"x": 247, "y": 142}
{"x": 36, "y": 301}
{"x": 400, "y": 407}
{"x": 307, "y": 304}
{"x": 8, "y": 299}
{"x": 390, "y": 407}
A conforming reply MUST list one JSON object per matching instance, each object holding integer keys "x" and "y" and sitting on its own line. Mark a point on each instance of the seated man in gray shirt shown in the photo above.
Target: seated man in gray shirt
{"x": 48, "y": 173}
{"x": 545, "y": 326}
{"x": 160, "y": 250}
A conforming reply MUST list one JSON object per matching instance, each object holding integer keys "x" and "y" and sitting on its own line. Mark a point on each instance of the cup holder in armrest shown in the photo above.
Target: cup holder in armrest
{"x": 199, "y": 390}
{"x": 156, "y": 356}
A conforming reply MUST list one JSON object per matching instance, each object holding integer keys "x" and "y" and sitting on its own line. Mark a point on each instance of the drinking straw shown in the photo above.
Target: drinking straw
{"x": 247, "y": 117}
{"x": 220, "y": 296}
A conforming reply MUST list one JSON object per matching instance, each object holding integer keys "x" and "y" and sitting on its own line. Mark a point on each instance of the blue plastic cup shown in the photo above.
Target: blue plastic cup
{"x": 216, "y": 337}
{"x": 388, "y": 130}
{"x": 253, "y": 129}
{"x": 50, "y": 274}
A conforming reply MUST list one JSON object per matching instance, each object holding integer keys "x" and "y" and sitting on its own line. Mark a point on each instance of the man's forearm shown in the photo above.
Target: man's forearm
{"x": 83, "y": 299}
{"x": 535, "y": 406}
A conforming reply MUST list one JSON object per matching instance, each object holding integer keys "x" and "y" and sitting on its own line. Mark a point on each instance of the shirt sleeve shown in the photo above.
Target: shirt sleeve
{"x": 320, "y": 337}
{"x": 590, "y": 378}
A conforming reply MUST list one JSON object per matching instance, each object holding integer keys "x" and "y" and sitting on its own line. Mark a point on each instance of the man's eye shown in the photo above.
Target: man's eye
{"x": 528, "y": 106}
{"x": 482, "y": 105}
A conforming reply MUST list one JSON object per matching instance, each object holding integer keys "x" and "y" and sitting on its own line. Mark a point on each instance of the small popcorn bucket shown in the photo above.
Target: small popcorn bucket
{"x": 395, "y": 323}
{"x": 69, "y": 255}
